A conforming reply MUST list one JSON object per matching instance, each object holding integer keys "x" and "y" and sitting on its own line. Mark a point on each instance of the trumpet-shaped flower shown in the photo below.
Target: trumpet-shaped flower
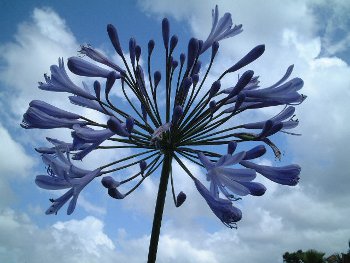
{"x": 221, "y": 28}
{"x": 60, "y": 82}
{"x": 37, "y": 118}
{"x": 230, "y": 180}
{"x": 62, "y": 175}
{"x": 222, "y": 208}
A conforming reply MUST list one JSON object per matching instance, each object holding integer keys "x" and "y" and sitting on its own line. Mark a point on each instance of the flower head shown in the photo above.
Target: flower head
{"x": 172, "y": 113}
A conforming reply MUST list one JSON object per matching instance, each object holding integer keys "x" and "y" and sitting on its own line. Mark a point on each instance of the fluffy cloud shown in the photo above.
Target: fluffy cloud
{"x": 23, "y": 241}
{"x": 15, "y": 162}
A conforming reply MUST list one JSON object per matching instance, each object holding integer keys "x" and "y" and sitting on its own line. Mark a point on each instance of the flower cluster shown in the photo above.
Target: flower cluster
{"x": 194, "y": 119}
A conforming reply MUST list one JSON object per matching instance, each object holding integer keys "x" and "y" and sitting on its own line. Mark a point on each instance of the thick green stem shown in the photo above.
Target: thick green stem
{"x": 158, "y": 212}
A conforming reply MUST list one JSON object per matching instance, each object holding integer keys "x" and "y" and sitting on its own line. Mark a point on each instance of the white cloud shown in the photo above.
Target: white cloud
{"x": 334, "y": 24}
{"x": 15, "y": 162}
{"x": 89, "y": 242}
{"x": 23, "y": 241}
{"x": 37, "y": 45}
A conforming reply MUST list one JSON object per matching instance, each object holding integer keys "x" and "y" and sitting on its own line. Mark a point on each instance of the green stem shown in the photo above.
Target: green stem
{"x": 158, "y": 212}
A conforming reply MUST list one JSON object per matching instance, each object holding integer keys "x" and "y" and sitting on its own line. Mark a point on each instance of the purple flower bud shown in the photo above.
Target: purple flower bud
{"x": 182, "y": 58}
{"x": 113, "y": 192}
{"x": 144, "y": 112}
{"x": 240, "y": 99}
{"x": 197, "y": 67}
{"x": 186, "y": 85}
{"x": 117, "y": 127}
{"x": 165, "y": 32}
{"x": 157, "y": 78}
{"x": 138, "y": 52}
{"x": 98, "y": 57}
{"x": 51, "y": 110}
{"x": 255, "y": 152}
{"x": 132, "y": 44}
{"x": 195, "y": 79}
{"x": 129, "y": 124}
{"x": 180, "y": 199}
{"x": 84, "y": 68}
{"x": 109, "y": 182}
{"x": 112, "y": 76}
{"x": 143, "y": 166}
{"x": 150, "y": 46}
{"x": 192, "y": 52}
{"x": 231, "y": 147}
{"x": 256, "y": 189}
{"x": 212, "y": 106}
{"x": 242, "y": 82}
{"x": 113, "y": 36}
{"x": 177, "y": 114}
{"x": 200, "y": 45}
{"x": 249, "y": 58}
{"x": 270, "y": 128}
{"x": 173, "y": 43}
{"x": 174, "y": 64}
{"x": 215, "y": 87}
{"x": 214, "y": 49}
{"x": 97, "y": 88}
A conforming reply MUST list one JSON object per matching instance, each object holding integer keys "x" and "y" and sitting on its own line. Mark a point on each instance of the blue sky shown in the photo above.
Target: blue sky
{"x": 312, "y": 35}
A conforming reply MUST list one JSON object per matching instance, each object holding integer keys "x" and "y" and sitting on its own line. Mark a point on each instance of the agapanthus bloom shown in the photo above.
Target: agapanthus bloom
{"x": 196, "y": 117}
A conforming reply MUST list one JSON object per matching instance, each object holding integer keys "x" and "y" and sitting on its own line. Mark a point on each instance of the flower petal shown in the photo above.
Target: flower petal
{"x": 205, "y": 161}
{"x": 51, "y": 183}
{"x": 238, "y": 174}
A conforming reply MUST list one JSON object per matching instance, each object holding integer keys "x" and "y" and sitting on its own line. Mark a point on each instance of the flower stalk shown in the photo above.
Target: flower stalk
{"x": 158, "y": 212}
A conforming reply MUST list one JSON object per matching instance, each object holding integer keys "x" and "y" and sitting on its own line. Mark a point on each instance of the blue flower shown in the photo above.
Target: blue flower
{"x": 98, "y": 57}
{"x": 83, "y": 136}
{"x": 221, "y": 29}
{"x": 276, "y": 94}
{"x": 62, "y": 174}
{"x": 48, "y": 118}
{"x": 60, "y": 82}
{"x": 222, "y": 208}
{"x": 235, "y": 180}
{"x": 280, "y": 117}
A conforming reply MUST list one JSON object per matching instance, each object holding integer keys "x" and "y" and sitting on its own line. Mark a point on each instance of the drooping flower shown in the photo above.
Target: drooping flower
{"x": 62, "y": 174}
{"x": 222, "y": 208}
